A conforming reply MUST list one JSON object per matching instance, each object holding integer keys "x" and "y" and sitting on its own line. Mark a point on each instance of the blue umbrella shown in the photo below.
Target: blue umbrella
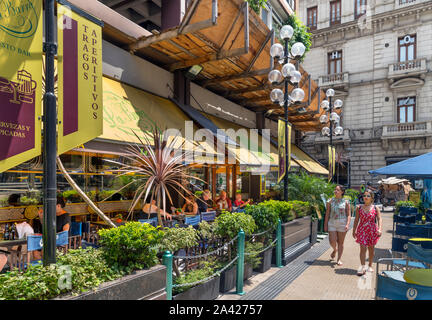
{"x": 418, "y": 167}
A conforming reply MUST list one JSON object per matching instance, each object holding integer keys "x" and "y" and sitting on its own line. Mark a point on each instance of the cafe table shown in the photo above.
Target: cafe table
{"x": 421, "y": 277}
{"x": 425, "y": 243}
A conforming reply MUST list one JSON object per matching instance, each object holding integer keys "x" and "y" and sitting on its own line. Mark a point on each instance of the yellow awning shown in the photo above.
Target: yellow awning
{"x": 129, "y": 111}
{"x": 252, "y": 156}
{"x": 307, "y": 162}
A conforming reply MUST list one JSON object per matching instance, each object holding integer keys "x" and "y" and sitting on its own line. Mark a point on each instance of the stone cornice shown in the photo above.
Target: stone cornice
{"x": 375, "y": 19}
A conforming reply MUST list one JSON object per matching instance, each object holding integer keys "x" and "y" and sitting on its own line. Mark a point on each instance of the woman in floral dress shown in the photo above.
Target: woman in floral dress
{"x": 366, "y": 231}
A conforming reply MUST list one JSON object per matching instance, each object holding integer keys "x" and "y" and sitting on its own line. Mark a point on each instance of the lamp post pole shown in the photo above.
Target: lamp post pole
{"x": 333, "y": 119}
{"x": 286, "y": 97}
{"x": 49, "y": 140}
{"x": 289, "y": 75}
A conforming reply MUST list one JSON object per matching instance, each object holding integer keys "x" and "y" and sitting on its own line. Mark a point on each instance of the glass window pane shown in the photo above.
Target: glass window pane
{"x": 339, "y": 66}
{"x": 410, "y": 116}
{"x": 411, "y": 52}
{"x": 402, "y": 118}
{"x": 402, "y": 54}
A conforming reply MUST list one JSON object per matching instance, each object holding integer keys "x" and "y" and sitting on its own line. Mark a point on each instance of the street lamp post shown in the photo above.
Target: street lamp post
{"x": 289, "y": 75}
{"x": 330, "y": 117}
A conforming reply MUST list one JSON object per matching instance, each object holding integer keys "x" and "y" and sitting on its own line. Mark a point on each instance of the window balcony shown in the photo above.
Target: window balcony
{"x": 407, "y": 68}
{"x": 345, "y": 138}
{"x": 335, "y": 80}
{"x": 405, "y": 3}
{"x": 407, "y": 130}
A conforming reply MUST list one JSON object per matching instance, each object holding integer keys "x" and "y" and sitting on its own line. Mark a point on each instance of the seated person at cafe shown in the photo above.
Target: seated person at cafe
{"x": 190, "y": 207}
{"x": 63, "y": 219}
{"x": 223, "y": 202}
{"x": 239, "y": 203}
{"x": 151, "y": 210}
{"x": 63, "y": 222}
{"x": 205, "y": 203}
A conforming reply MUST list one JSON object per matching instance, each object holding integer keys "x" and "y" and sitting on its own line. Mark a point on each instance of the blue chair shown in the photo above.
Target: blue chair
{"x": 192, "y": 221}
{"x": 208, "y": 216}
{"x": 75, "y": 235}
{"x": 152, "y": 221}
{"x": 404, "y": 211}
{"x": 428, "y": 216}
{"x": 404, "y": 219}
{"x": 35, "y": 242}
{"x": 412, "y": 231}
{"x": 391, "y": 284}
{"x": 399, "y": 245}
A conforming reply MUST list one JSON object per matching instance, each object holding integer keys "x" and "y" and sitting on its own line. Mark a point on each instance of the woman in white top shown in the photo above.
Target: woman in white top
{"x": 337, "y": 221}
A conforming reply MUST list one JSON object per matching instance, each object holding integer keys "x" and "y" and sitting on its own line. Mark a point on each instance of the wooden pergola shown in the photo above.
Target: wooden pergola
{"x": 232, "y": 45}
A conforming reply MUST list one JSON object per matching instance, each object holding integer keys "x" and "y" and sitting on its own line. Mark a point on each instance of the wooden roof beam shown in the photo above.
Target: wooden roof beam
{"x": 242, "y": 75}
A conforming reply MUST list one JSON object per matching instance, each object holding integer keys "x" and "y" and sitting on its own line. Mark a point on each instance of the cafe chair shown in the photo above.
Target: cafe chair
{"x": 208, "y": 216}
{"x": 390, "y": 284}
{"x": 152, "y": 221}
{"x": 403, "y": 219}
{"x": 429, "y": 216}
{"x": 35, "y": 242}
{"x": 192, "y": 221}
{"x": 75, "y": 235}
{"x": 412, "y": 231}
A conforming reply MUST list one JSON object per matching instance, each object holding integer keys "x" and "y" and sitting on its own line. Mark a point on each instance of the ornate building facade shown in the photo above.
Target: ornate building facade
{"x": 377, "y": 56}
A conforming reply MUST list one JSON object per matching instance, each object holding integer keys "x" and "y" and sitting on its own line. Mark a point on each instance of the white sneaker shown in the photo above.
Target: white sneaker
{"x": 361, "y": 270}
{"x": 370, "y": 269}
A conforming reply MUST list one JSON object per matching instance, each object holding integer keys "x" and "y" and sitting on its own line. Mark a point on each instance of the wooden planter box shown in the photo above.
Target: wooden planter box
{"x": 314, "y": 231}
{"x": 266, "y": 261}
{"x": 205, "y": 291}
{"x": 141, "y": 285}
{"x": 296, "y": 238}
{"x": 228, "y": 278}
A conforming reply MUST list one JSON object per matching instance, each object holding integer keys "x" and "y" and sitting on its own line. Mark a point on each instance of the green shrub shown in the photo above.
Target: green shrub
{"x": 264, "y": 216}
{"x": 27, "y": 201}
{"x": 399, "y": 204}
{"x": 282, "y": 208}
{"x": 300, "y": 208}
{"x": 72, "y": 196}
{"x": 88, "y": 270}
{"x": 175, "y": 239}
{"x": 131, "y": 246}
{"x": 204, "y": 270}
{"x": 207, "y": 230}
{"x": 228, "y": 224}
{"x": 256, "y": 5}
{"x": 253, "y": 249}
{"x": 352, "y": 195}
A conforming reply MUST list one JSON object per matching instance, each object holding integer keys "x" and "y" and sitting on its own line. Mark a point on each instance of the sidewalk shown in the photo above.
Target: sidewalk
{"x": 324, "y": 280}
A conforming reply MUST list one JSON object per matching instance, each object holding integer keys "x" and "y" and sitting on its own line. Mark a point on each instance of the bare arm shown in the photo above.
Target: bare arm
{"x": 356, "y": 221}
{"x": 348, "y": 213}
{"x": 327, "y": 216}
{"x": 379, "y": 220}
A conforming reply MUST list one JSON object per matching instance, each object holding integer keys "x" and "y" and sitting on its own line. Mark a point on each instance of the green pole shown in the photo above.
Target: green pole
{"x": 279, "y": 245}
{"x": 240, "y": 262}
{"x": 167, "y": 260}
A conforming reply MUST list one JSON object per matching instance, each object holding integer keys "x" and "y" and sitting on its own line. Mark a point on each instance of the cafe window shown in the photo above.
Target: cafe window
{"x": 312, "y": 17}
{"x": 359, "y": 8}
{"x": 335, "y": 12}
{"x": 335, "y": 62}
{"x": 407, "y": 48}
{"x": 406, "y": 109}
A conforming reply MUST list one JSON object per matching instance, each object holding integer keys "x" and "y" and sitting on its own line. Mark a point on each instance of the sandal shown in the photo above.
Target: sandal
{"x": 361, "y": 271}
{"x": 370, "y": 269}
{"x": 339, "y": 263}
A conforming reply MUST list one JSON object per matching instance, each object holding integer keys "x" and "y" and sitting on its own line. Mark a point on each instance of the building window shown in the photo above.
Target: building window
{"x": 335, "y": 62}
{"x": 359, "y": 8}
{"x": 312, "y": 17}
{"x": 335, "y": 12}
{"x": 407, "y": 48}
{"x": 406, "y": 109}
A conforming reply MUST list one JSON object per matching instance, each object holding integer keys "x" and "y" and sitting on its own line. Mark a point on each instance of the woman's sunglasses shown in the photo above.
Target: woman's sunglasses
{"x": 367, "y": 196}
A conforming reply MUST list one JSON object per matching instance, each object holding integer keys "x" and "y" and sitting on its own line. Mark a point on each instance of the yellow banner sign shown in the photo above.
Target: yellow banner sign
{"x": 283, "y": 169}
{"x": 80, "y": 109}
{"x": 20, "y": 81}
{"x": 332, "y": 162}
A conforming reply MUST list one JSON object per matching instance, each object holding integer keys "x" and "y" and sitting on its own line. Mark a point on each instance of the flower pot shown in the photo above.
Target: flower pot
{"x": 314, "y": 231}
{"x": 248, "y": 270}
{"x": 205, "y": 291}
{"x": 141, "y": 285}
{"x": 228, "y": 279}
{"x": 266, "y": 260}
{"x": 296, "y": 238}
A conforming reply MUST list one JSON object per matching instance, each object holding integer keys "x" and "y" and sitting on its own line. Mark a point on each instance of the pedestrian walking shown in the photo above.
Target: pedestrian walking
{"x": 337, "y": 221}
{"x": 367, "y": 230}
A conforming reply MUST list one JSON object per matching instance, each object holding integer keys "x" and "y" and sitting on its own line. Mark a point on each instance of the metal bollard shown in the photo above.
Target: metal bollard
{"x": 279, "y": 245}
{"x": 240, "y": 262}
{"x": 167, "y": 260}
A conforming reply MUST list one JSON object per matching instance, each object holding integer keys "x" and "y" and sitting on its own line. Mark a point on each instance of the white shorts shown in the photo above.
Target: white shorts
{"x": 337, "y": 225}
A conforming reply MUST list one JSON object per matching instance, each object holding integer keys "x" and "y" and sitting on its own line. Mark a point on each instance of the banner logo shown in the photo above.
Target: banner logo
{"x": 18, "y": 18}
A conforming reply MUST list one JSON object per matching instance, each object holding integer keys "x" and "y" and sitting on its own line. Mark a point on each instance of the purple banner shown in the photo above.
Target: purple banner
{"x": 17, "y": 115}
{"x": 70, "y": 75}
